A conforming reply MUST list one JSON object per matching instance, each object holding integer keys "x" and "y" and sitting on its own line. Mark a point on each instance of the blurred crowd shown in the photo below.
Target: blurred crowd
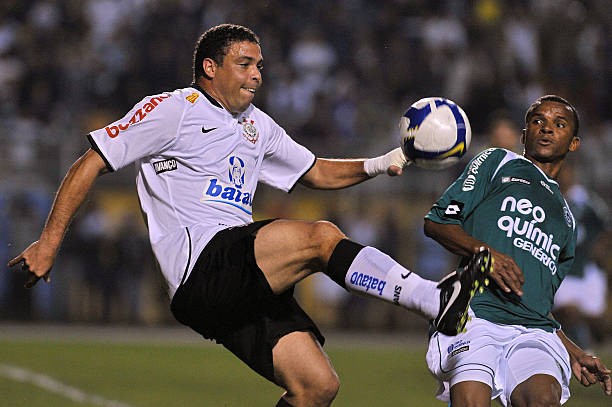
{"x": 338, "y": 74}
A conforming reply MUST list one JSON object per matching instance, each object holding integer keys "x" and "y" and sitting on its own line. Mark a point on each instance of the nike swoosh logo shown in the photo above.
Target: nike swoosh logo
{"x": 454, "y": 295}
{"x": 205, "y": 130}
{"x": 405, "y": 276}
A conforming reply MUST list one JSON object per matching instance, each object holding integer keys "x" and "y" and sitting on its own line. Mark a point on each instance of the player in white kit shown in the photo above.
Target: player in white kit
{"x": 199, "y": 153}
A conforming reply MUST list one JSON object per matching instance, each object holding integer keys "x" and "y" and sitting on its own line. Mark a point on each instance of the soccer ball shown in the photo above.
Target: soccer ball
{"x": 435, "y": 133}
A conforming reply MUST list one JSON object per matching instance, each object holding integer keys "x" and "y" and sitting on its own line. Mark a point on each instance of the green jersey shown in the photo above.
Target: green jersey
{"x": 504, "y": 200}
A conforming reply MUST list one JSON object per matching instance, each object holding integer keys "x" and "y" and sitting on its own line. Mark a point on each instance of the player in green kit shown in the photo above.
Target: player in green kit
{"x": 513, "y": 349}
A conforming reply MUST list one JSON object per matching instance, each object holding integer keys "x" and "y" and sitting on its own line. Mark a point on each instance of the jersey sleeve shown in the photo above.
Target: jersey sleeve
{"x": 466, "y": 192}
{"x": 149, "y": 128}
{"x": 567, "y": 256}
{"x": 285, "y": 160}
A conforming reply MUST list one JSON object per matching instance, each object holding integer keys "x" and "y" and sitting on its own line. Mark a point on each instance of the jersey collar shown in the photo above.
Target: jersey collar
{"x": 210, "y": 98}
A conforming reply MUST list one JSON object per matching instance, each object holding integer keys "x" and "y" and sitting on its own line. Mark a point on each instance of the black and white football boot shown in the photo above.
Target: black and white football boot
{"x": 457, "y": 290}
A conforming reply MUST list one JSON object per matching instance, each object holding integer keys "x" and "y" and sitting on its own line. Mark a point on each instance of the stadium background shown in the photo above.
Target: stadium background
{"x": 338, "y": 74}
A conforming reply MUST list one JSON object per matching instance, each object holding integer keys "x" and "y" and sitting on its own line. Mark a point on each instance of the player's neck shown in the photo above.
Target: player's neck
{"x": 551, "y": 169}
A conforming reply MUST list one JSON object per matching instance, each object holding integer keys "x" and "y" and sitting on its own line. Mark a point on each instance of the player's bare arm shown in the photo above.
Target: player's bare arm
{"x": 329, "y": 173}
{"x": 587, "y": 368}
{"x": 506, "y": 272}
{"x": 334, "y": 174}
{"x": 38, "y": 258}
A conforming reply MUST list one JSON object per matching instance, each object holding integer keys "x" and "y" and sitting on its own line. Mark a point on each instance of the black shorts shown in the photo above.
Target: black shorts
{"x": 227, "y": 298}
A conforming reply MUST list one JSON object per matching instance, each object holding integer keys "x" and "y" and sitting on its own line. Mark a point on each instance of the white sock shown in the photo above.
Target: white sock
{"x": 375, "y": 274}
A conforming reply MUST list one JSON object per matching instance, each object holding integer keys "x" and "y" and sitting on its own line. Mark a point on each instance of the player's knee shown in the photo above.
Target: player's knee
{"x": 538, "y": 399}
{"x": 325, "y": 393}
{"x": 546, "y": 399}
{"x": 327, "y": 235}
{"x": 329, "y": 387}
{"x": 318, "y": 392}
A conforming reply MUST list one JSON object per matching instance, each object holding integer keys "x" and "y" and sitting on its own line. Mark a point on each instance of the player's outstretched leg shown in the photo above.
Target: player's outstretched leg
{"x": 457, "y": 290}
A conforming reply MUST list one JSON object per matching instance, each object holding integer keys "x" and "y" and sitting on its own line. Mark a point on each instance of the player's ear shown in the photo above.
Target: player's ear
{"x": 574, "y": 144}
{"x": 523, "y": 133}
{"x": 210, "y": 67}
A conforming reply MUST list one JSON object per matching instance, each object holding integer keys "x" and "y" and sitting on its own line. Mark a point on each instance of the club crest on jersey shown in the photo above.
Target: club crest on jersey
{"x": 249, "y": 131}
{"x": 231, "y": 194}
{"x": 569, "y": 218}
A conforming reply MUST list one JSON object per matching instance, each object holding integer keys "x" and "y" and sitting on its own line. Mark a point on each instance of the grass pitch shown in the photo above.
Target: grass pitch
{"x": 142, "y": 374}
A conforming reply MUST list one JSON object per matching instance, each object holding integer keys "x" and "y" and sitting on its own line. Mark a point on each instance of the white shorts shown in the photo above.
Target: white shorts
{"x": 500, "y": 356}
{"x": 588, "y": 293}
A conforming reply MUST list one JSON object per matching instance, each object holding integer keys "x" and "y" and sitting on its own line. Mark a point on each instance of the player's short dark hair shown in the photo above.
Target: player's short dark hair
{"x": 215, "y": 41}
{"x": 558, "y": 99}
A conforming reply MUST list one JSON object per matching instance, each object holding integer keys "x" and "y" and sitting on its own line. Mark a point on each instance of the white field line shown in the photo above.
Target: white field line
{"x": 52, "y": 385}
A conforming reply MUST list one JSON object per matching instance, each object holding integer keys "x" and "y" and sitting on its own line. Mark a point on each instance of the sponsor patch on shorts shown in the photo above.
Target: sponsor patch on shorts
{"x": 458, "y": 347}
{"x": 458, "y": 351}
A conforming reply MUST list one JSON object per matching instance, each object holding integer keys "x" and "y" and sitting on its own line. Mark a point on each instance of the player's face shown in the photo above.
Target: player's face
{"x": 236, "y": 81}
{"x": 548, "y": 134}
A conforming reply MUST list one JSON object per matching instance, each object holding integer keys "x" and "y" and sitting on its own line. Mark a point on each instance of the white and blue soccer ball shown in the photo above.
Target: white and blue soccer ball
{"x": 435, "y": 133}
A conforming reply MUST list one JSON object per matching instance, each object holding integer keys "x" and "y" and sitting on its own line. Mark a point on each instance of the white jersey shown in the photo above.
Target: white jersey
{"x": 197, "y": 168}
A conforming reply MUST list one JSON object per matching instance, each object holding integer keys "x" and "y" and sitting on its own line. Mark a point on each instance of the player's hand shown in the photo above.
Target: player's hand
{"x": 391, "y": 163}
{"x": 394, "y": 170}
{"x": 589, "y": 370}
{"x": 506, "y": 273}
{"x": 398, "y": 163}
{"x": 37, "y": 261}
